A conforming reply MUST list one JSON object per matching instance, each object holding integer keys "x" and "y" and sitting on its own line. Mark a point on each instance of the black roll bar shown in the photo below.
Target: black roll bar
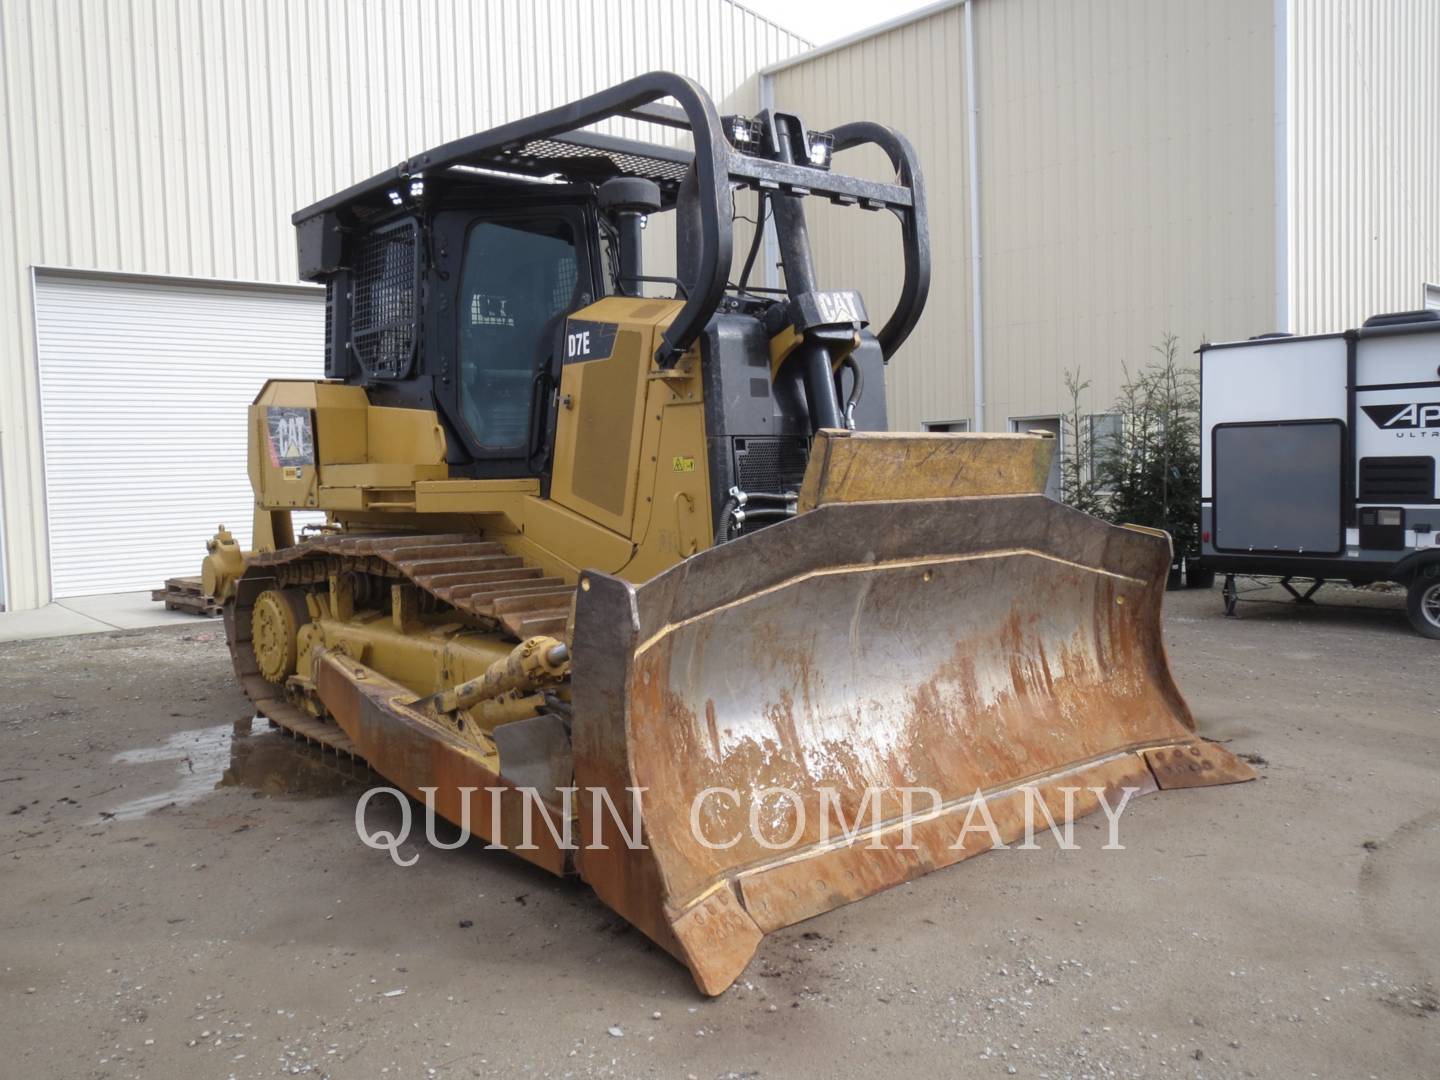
{"x": 914, "y": 226}
{"x": 551, "y": 143}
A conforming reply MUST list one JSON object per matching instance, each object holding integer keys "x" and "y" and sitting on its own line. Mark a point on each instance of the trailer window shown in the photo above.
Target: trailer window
{"x": 518, "y": 275}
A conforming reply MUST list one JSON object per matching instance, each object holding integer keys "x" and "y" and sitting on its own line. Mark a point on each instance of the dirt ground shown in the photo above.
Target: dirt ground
{"x": 181, "y": 900}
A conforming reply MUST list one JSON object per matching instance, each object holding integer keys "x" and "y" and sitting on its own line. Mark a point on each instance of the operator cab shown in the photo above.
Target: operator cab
{"x": 450, "y": 279}
{"x": 456, "y": 302}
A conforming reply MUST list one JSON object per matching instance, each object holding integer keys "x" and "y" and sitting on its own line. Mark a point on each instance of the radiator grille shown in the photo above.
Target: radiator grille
{"x": 382, "y": 319}
{"x": 773, "y": 464}
{"x": 1397, "y": 479}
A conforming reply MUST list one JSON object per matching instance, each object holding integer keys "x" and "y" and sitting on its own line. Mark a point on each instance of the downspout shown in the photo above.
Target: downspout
{"x": 1284, "y": 313}
{"x": 972, "y": 136}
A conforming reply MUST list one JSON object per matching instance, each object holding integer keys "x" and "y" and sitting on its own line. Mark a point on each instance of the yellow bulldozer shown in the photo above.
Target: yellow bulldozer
{"x": 650, "y": 567}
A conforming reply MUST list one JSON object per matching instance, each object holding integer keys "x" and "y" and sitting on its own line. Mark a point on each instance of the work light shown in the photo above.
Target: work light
{"x": 819, "y": 145}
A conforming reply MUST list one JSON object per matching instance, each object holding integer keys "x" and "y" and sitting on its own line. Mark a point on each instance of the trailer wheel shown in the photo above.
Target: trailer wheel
{"x": 1231, "y": 595}
{"x": 1424, "y": 605}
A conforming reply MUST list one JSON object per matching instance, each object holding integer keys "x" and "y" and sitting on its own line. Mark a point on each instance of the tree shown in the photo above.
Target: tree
{"x": 1079, "y": 485}
{"x": 1152, "y": 467}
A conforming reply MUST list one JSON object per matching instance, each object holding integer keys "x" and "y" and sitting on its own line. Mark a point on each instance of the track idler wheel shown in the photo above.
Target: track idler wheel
{"x": 275, "y": 632}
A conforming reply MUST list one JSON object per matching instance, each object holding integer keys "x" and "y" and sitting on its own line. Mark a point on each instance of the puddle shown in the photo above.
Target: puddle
{"x": 247, "y": 754}
{"x": 275, "y": 764}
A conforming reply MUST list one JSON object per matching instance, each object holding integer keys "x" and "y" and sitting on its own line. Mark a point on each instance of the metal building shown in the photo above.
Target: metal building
{"x": 154, "y": 152}
{"x": 1100, "y": 173}
{"x": 1103, "y": 173}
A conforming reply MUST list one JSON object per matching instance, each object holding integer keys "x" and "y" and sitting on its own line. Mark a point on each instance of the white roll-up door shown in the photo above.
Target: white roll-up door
{"x": 144, "y": 387}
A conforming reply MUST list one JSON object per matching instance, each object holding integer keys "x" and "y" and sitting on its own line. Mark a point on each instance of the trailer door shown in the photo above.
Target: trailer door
{"x": 1273, "y": 445}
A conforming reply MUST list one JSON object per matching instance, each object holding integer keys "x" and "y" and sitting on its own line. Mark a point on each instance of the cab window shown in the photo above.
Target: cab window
{"x": 518, "y": 275}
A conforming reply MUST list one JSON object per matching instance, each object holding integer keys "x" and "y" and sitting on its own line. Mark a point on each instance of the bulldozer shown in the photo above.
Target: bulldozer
{"x": 624, "y": 571}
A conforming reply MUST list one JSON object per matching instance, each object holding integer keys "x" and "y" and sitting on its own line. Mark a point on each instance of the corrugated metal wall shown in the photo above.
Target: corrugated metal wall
{"x": 912, "y": 78}
{"x": 176, "y": 136}
{"x": 1126, "y": 154}
{"x": 1365, "y": 158}
{"x": 1127, "y": 187}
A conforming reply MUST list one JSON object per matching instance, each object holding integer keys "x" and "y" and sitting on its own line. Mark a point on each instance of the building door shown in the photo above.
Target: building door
{"x": 1052, "y": 425}
{"x": 144, "y": 387}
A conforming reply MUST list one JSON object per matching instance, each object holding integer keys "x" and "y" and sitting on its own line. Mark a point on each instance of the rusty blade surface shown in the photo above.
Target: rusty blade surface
{"x": 870, "y": 667}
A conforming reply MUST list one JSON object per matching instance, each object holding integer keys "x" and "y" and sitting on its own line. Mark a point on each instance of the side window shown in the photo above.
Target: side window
{"x": 517, "y": 276}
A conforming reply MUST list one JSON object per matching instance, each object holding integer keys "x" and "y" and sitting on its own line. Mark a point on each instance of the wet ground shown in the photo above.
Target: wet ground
{"x": 184, "y": 895}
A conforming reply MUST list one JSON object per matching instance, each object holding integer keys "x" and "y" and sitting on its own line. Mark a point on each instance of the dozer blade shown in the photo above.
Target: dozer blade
{"x": 913, "y": 653}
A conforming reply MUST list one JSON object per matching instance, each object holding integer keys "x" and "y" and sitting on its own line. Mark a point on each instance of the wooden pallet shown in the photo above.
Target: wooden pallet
{"x": 185, "y": 594}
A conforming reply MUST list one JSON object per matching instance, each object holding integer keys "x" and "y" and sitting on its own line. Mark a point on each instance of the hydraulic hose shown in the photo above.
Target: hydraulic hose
{"x": 857, "y": 389}
{"x": 722, "y": 530}
{"x": 743, "y": 498}
{"x": 761, "y": 512}
{"x": 738, "y": 509}
{"x": 755, "y": 242}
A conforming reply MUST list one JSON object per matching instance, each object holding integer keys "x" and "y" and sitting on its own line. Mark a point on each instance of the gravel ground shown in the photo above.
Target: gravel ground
{"x": 181, "y": 900}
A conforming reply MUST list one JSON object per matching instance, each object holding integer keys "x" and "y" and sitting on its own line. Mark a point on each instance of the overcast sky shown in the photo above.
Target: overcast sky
{"x": 822, "y": 21}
